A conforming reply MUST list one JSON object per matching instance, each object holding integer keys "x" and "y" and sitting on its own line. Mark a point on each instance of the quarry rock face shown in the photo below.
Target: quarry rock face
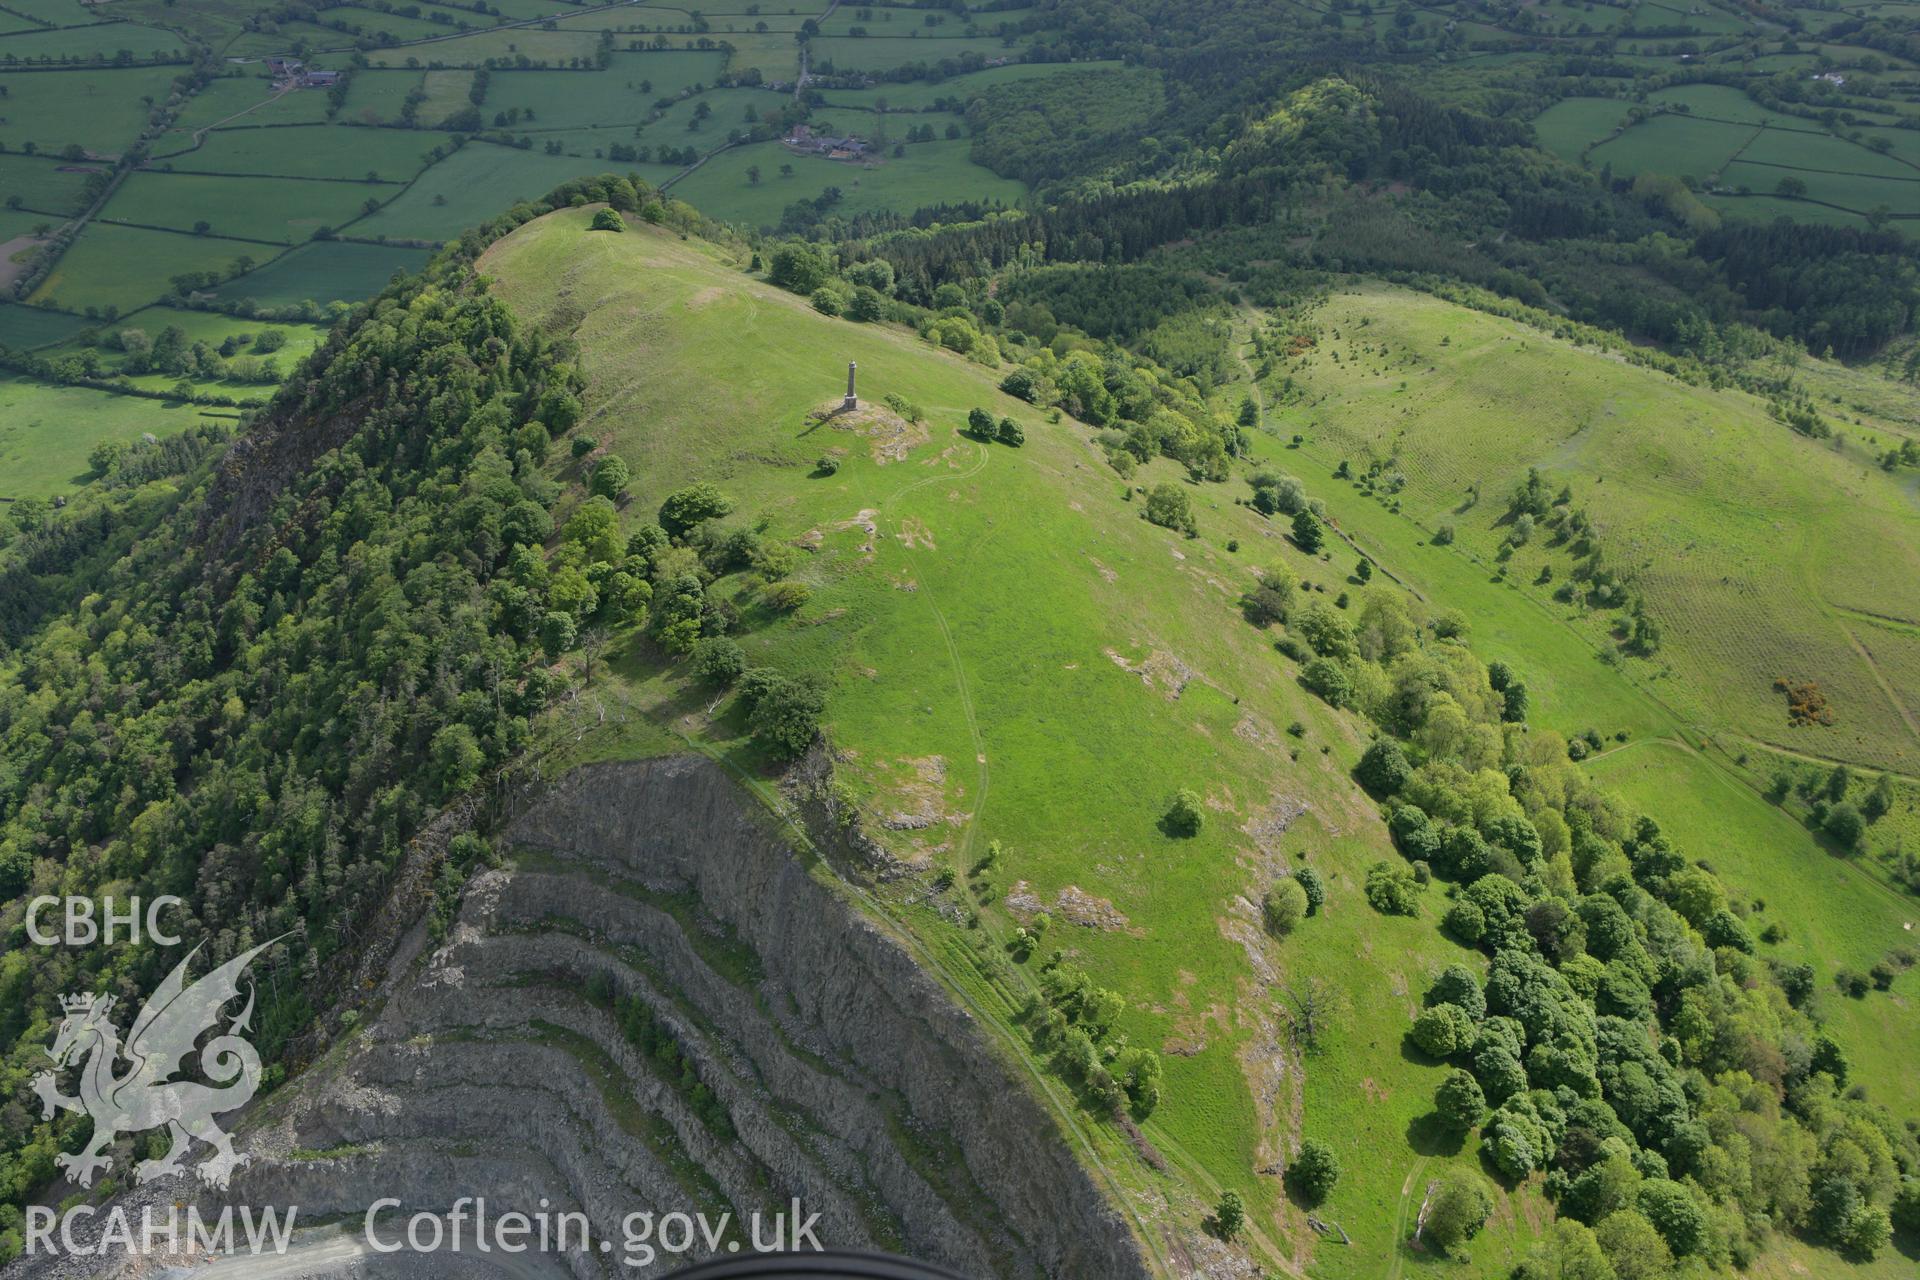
{"x": 816, "y": 1062}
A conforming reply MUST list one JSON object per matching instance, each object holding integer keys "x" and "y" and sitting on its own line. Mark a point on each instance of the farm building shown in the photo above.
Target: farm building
{"x": 806, "y": 142}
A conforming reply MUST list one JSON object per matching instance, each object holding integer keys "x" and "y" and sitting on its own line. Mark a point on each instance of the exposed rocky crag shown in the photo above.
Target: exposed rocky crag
{"x": 839, "y": 1073}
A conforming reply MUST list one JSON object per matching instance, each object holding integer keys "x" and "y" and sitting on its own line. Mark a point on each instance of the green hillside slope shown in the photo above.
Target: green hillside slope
{"x": 1015, "y": 656}
{"x": 1761, "y": 553}
{"x": 1017, "y": 664}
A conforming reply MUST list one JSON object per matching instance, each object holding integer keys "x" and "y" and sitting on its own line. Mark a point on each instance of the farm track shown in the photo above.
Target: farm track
{"x": 1880, "y": 678}
{"x": 1399, "y": 1259}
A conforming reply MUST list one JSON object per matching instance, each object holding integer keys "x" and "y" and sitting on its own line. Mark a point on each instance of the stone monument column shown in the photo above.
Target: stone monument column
{"x": 852, "y": 401}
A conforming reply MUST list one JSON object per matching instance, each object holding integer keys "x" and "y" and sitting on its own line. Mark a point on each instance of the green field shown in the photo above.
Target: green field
{"x": 128, "y": 267}
{"x": 774, "y": 55}
{"x": 47, "y": 432}
{"x": 94, "y": 108}
{"x": 45, "y": 185}
{"x": 1569, "y": 127}
{"x": 1850, "y": 191}
{"x": 1768, "y": 208}
{"x": 226, "y": 99}
{"x": 328, "y": 271}
{"x": 1720, "y": 102}
{"x": 24, "y": 328}
{"x": 317, "y": 151}
{"x": 21, "y": 222}
{"x": 377, "y": 97}
{"x": 1673, "y": 144}
{"x": 883, "y": 53}
{"x": 929, "y": 173}
{"x": 1685, "y": 485}
{"x": 910, "y": 94}
{"x": 103, "y": 40}
{"x": 622, "y": 95}
{"x": 1823, "y": 153}
{"x": 470, "y": 186}
{"x": 448, "y": 92}
{"x": 273, "y": 210}
{"x": 554, "y": 48}
{"x": 640, "y": 18}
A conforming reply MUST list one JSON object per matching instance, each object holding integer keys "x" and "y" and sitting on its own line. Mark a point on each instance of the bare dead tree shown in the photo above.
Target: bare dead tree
{"x": 593, "y": 643}
{"x": 1313, "y": 1006}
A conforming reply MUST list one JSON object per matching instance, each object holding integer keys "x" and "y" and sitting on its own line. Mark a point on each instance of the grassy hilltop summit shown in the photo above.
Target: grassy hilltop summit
{"x": 1052, "y": 721}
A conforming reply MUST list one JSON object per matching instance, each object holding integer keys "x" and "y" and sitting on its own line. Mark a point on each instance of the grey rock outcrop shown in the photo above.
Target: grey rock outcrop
{"x": 789, "y": 1049}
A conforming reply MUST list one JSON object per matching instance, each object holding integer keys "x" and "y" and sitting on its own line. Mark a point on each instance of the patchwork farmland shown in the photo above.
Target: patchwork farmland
{"x": 230, "y": 159}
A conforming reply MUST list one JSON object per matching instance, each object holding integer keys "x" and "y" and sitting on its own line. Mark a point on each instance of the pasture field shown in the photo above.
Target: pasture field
{"x": 940, "y": 679}
{"x": 928, "y": 173}
{"x": 217, "y": 22}
{"x": 1570, "y": 126}
{"x": 682, "y": 124}
{"x": 555, "y": 48}
{"x": 103, "y": 40}
{"x": 1771, "y": 62}
{"x": 1579, "y": 17}
{"x": 46, "y": 432}
{"x": 665, "y": 73}
{"x": 642, "y": 19}
{"x": 371, "y": 22}
{"x": 96, "y": 108}
{"x": 520, "y": 10}
{"x": 1902, "y": 144}
{"x": 473, "y": 184}
{"x": 312, "y": 151}
{"x": 1673, "y": 144}
{"x": 583, "y": 99}
{"x": 775, "y": 56}
{"x": 1686, "y": 486}
{"x": 447, "y": 93}
{"x": 324, "y": 271}
{"x": 230, "y": 96}
{"x": 377, "y": 97}
{"x": 128, "y": 267}
{"x": 914, "y": 94}
{"x": 24, "y": 328}
{"x": 1721, "y": 102}
{"x": 1652, "y": 13}
{"x": 21, "y": 222}
{"x": 282, "y": 36}
{"x": 1758, "y": 208}
{"x": 45, "y": 185}
{"x": 1849, "y": 191}
{"x": 883, "y": 53}
{"x": 1804, "y": 149}
{"x": 285, "y": 211}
